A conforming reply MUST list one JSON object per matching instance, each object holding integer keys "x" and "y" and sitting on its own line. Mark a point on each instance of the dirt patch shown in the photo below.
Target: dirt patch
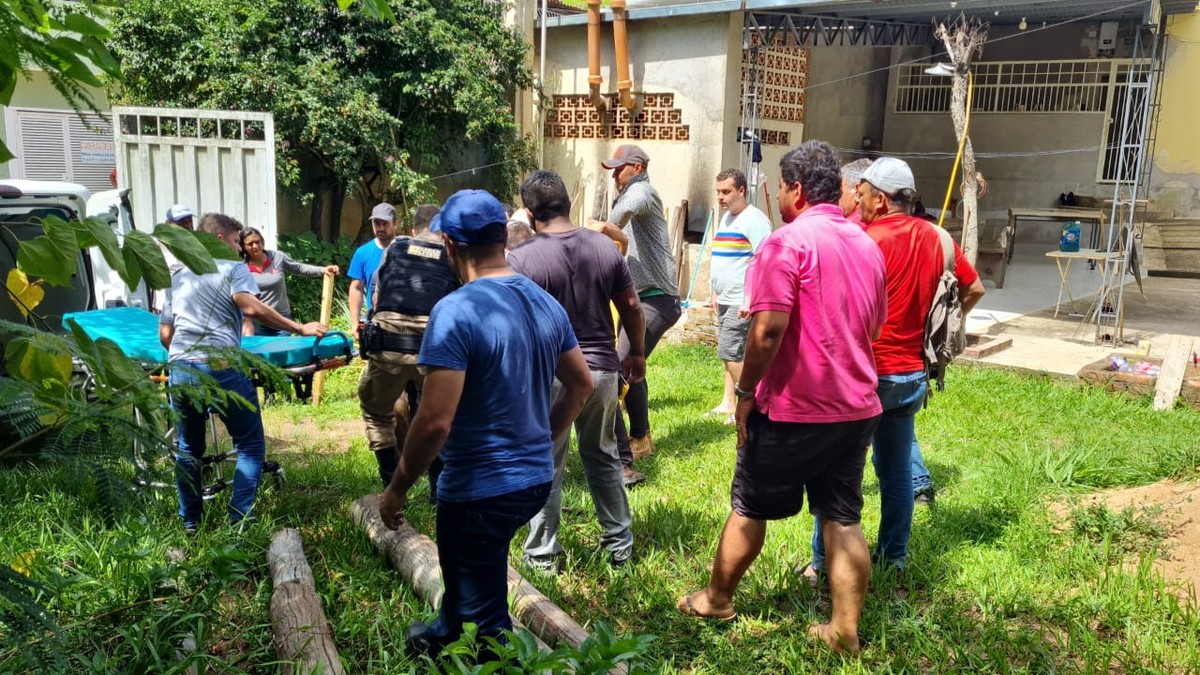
{"x": 1176, "y": 506}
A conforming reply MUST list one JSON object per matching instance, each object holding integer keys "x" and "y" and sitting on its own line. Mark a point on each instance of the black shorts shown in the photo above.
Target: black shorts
{"x": 782, "y": 460}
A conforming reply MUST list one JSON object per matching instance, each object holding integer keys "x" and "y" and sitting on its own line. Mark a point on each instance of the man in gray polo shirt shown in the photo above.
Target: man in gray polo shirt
{"x": 203, "y": 315}
{"x": 637, "y": 224}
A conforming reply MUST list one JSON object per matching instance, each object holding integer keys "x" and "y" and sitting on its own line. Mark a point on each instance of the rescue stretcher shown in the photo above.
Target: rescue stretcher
{"x": 135, "y": 332}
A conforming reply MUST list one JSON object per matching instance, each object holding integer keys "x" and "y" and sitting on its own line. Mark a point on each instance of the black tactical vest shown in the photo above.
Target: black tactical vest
{"x": 415, "y": 274}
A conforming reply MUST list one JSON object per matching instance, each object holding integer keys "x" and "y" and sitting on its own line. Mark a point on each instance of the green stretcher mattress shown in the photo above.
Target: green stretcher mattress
{"x": 135, "y": 331}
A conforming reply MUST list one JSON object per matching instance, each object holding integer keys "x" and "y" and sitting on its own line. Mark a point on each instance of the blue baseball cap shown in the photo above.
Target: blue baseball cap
{"x": 466, "y": 215}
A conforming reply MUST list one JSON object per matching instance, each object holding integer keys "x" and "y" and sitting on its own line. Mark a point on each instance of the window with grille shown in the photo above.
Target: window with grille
{"x": 1014, "y": 86}
{"x": 57, "y": 146}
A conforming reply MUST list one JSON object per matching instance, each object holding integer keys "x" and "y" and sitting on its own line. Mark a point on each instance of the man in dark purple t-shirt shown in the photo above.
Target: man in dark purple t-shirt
{"x": 584, "y": 272}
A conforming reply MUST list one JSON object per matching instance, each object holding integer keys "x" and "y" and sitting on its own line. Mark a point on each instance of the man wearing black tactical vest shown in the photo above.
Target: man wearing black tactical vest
{"x": 413, "y": 276}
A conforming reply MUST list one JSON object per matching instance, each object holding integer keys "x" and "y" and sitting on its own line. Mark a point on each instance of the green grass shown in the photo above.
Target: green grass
{"x": 995, "y": 581}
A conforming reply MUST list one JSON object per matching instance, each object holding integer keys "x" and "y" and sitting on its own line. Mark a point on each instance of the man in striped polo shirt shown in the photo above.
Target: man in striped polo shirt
{"x": 741, "y": 231}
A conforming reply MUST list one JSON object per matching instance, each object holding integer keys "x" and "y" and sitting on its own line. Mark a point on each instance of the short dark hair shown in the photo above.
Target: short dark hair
{"x": 545, "y": 195}
{"x": 219, "y": 223}
{"x": 814, "y": 165}
{"x": 423, "y": 216}
{"x": 739, "y": 178}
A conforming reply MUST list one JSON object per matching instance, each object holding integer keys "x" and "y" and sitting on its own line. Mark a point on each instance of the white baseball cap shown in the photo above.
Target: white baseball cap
{"x": 890, "y": 175}
{"x": 179, "y": 212}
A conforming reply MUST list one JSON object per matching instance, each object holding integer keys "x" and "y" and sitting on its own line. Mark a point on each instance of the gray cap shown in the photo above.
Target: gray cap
{"x": 626, "y": 154}
{"x": 383, "y": 211}
{"x": 890, "y": 175}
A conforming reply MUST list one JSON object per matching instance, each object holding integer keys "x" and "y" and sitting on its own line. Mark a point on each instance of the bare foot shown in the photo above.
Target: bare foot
{"x": 697, "y": 604}
{"x": 840, "y": 644}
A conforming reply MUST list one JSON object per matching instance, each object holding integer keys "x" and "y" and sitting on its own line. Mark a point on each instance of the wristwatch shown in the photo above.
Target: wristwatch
{"x": 742, "y": 394}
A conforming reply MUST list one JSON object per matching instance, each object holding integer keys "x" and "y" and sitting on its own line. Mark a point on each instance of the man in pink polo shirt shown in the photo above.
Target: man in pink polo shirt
{"x": 807, "y": 404}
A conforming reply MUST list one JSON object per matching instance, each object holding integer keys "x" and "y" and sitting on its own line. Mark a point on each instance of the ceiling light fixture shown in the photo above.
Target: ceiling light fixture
{"x": 1022, "y": 25}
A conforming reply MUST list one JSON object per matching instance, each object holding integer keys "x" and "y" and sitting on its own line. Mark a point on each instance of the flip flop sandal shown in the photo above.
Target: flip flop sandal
{"x": 731, "y": 420}
{"x": 686, "y": 607}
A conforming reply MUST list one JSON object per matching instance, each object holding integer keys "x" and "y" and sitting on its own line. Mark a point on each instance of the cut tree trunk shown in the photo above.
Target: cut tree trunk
{"x": 415, "y": 556}
{"x": 970, "y": 186}
{"x": 302, "y": 637}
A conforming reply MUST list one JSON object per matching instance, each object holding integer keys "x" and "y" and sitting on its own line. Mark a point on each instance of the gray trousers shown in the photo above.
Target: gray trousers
{"x": 602, "y": 469}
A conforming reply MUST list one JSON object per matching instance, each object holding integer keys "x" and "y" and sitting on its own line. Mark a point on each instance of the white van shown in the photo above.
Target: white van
{"x": 23, "y": 204}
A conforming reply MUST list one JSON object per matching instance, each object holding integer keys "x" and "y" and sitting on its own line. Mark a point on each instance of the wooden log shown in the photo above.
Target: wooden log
{"x": 302, "y": 637}
{"x": 415, "y": 556}
{"x": 326, "y": 310}
{"x": 1170, "y": 378}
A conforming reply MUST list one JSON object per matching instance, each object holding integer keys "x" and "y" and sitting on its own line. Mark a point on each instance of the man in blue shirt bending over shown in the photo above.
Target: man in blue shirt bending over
{"x": 492, "y": 350}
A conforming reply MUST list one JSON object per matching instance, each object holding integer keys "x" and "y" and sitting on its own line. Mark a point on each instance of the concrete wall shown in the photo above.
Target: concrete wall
{"x": 1175, "y": 182}
{"x": 684, "y": 56}
{"x": 846, "y": 111}
{"x": 37, "y": 92}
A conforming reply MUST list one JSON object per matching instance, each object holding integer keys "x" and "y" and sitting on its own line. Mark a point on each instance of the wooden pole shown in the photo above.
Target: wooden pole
{"x": 415, "y": 556}
{"x": 326, "y": 310}
{"x": 302, "y": 637}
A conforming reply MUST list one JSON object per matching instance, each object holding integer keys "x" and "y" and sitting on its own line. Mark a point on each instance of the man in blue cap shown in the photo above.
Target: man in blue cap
{"x": 491, "y": 351}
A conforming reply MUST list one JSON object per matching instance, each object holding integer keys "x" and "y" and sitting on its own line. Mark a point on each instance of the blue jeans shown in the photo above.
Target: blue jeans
{"x": 473, "y": 539}
{"x": 892, "y": 454}
{"x": 244, "y": 426}
{"x": 921, "y": 480}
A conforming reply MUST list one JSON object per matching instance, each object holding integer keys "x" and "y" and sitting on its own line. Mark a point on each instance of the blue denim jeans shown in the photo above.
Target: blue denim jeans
{"x": 244, "y": 426}
{"x": 892, "y": 454}
{"x": 921, "y": 480}
{"x": 473, "y": 539}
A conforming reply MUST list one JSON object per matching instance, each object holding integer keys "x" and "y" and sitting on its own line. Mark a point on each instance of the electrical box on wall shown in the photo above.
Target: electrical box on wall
{"x": 1108, "y": 35}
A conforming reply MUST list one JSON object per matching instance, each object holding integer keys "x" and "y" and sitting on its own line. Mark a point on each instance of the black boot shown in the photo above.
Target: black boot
{"x": 388, "y": 461}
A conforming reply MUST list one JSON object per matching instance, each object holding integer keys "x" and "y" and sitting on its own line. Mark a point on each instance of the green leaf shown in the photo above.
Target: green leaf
{"x": 85, "y": 25}
{"x": 5, "y": 153}
{"x": 133, "y": 268}
{"x": 215, "y": 246}
{"x": 54, "y": 255}
{"x": 96, "y": 232}
{"x": 186, "y": 248}
{"x": 121, "y": 371}
{"x": 86, "y": 349}
{"x": 148, "y": 258}
{"x": 101, "y": 57}
{"x": 39, "y": 358}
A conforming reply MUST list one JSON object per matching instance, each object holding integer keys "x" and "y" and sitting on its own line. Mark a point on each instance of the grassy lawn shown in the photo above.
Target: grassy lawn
{"x": 995, "y": 583}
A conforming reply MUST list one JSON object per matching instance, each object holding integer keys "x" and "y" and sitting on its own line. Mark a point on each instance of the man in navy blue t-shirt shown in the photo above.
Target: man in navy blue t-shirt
{"x": 492, "y": 350}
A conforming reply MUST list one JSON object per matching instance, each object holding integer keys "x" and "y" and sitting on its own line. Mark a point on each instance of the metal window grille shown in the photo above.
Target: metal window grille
{"x": 1016, "y": 86}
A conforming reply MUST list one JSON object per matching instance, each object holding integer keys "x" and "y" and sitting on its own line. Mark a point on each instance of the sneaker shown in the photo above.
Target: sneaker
{"x": 544, "y": 565}
{"x": 191, "y": 530}
{"x": 924, "y": 497}
{"x": 621, "y": 558}
{"x": 641, "y": 447}
{"x": 631, "y": 476}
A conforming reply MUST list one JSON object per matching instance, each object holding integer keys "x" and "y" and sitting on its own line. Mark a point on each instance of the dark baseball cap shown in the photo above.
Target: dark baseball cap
{"x": 466, "y": 215}
{"x": 626, "y": 154}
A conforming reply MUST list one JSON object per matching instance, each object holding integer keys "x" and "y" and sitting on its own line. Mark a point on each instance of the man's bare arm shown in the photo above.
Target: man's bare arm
{"x": 629, "y": 308}
{"x": 254, "y": 308}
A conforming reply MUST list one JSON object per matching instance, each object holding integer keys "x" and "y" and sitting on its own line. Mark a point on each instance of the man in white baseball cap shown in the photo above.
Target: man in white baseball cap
{"x": 182, "y": 216}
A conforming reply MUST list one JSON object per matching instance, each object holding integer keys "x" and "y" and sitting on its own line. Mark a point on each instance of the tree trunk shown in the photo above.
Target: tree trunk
{"x": 302, "y": 637}
{"x": 316, "y": 211}
{"x": 970, "y": 189}
{"x": 415, "y": 556}
{"x": 335, "y": 211}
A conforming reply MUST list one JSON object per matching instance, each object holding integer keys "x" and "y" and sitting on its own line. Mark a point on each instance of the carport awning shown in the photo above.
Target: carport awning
{"x": 908, "y": 11}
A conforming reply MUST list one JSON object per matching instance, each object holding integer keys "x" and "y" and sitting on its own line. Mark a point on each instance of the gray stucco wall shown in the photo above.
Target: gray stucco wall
{"x": 842, "y": 111}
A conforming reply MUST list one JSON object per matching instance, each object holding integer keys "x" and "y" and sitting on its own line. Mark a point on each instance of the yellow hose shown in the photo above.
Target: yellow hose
{"x": 962, "y": 144}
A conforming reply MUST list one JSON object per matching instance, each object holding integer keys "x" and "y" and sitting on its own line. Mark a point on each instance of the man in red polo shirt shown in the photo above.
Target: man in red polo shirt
{"x": 912, "y": 251}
